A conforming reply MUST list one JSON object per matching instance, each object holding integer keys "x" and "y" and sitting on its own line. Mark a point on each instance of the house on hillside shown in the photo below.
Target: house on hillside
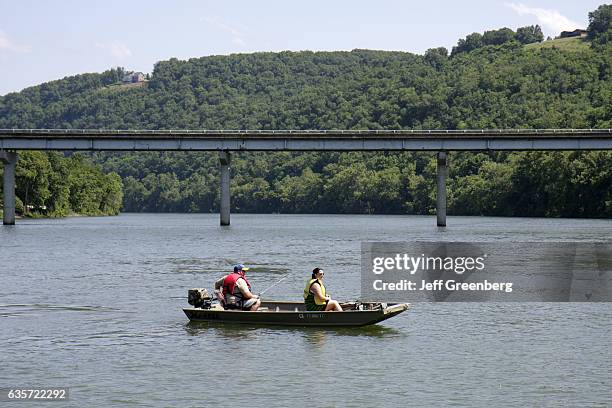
{"x": 133, "y": 78}
{"x": 576, "y": 33}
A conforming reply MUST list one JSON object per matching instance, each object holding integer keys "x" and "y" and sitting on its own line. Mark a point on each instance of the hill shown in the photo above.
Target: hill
{"x": 508, "y": 85}
{"x": 492, "y": 87}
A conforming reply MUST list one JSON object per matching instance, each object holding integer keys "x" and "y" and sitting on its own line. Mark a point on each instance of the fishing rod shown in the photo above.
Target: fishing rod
{"x": 274, "y": 284}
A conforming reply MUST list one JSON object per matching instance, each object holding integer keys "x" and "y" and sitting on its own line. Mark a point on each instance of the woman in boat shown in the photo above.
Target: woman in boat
{"x": 315, "y": 296}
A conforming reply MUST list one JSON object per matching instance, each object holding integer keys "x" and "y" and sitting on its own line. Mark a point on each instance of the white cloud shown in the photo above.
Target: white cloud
{"x": 116, "y": 49}
{"x": 552, "y": 20}
{"x": 237, "y": 36}
{"x": 8, "y": 45}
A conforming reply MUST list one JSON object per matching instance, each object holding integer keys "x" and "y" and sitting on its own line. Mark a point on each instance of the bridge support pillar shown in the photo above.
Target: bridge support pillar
{"x": 224, "y": 165}
{"x": 10, "y": 163}
{"x": 441, "y": 190}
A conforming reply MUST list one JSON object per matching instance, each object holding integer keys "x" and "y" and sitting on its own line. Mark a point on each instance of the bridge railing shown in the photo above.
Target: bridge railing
{"x": 590, "y": 132}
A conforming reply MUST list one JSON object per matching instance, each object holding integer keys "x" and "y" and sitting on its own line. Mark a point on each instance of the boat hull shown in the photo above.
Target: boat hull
{"x": 293, "y": 314}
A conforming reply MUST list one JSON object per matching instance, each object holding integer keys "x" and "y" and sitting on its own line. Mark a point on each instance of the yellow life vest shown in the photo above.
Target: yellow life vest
{"x": 309, "y": 296}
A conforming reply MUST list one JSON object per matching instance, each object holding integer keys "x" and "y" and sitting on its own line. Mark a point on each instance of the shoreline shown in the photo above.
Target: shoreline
{"x": 75, "y": 215}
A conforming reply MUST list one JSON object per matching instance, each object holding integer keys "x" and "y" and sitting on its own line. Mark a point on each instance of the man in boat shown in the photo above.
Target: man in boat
{"x": 236, "y": 290}
{"x": 315, "y": 296}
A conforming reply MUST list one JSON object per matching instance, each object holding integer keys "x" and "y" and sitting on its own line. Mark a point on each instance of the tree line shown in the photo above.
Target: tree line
{"x": 523, "y": 35}
{"x": 566, "y": 184}
{"x": 498, "y": 84}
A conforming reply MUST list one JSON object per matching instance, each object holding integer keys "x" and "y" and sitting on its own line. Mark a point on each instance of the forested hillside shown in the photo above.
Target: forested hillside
{"x": 491, "y": 80}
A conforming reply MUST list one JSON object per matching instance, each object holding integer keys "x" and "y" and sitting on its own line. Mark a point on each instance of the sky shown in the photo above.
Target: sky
{"x": 42, "y": 40}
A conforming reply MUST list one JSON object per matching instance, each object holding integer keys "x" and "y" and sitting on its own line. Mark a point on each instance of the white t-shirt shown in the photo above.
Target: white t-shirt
{"x": 242, "y": 286}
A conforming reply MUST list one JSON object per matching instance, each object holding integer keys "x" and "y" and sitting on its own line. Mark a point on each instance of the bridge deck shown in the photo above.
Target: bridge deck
{"x": 306, "y": 140}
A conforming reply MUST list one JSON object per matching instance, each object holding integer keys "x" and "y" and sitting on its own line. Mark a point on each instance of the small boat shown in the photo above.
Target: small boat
{"x": 295, "y": 314}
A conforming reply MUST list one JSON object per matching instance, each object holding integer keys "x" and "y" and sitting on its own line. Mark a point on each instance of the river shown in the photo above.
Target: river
{"x": 94, "y": 304}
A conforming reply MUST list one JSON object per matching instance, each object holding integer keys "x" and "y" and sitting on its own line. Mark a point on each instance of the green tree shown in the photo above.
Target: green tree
{"x": 471, "y": 42}
{"x": 112, "y": 197}
{"x": 529, "y": 34}
{"x": 436, "y": 57}
{"x": 600, "y": 24}
{"x": 32, "y": 180}
{"x": 59, "y": 187}
{"x": 498, "y": 37}
{"x": 301, "y": 194}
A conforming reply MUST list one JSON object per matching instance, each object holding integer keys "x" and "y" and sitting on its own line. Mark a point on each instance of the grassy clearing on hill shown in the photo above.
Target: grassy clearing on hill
{"x": 114, "y": 88}
{"x": 564, "y": 44}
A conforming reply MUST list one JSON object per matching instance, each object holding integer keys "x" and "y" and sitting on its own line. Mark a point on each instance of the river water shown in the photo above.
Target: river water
{"x": 94, "y": 304}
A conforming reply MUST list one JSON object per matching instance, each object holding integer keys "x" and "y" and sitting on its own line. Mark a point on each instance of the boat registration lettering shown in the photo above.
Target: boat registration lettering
{"x": 208, "y": 316}
{"x": 311, "y": 315}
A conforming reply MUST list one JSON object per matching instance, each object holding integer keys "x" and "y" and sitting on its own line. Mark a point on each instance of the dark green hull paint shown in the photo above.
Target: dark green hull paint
{"x": 287, "y": 315}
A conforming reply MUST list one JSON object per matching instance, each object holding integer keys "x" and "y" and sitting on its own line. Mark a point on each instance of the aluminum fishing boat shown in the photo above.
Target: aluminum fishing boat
{"x": 295, "y": 314}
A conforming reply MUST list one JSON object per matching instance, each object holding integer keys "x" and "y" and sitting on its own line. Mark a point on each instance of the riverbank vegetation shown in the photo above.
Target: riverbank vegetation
{"x": 490, "y": 80}
{"x": 51, "y": 185}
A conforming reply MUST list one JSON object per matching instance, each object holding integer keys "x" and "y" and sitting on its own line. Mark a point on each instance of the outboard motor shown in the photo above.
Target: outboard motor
{"x": 199, "y": 298}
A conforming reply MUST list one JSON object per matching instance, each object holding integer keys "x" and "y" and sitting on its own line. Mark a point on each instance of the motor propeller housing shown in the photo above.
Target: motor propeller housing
{"x": 199, "y": 298}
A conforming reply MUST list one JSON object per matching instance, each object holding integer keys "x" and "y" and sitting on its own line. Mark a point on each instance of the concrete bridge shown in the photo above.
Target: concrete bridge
{"x": 227, "y": 141}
